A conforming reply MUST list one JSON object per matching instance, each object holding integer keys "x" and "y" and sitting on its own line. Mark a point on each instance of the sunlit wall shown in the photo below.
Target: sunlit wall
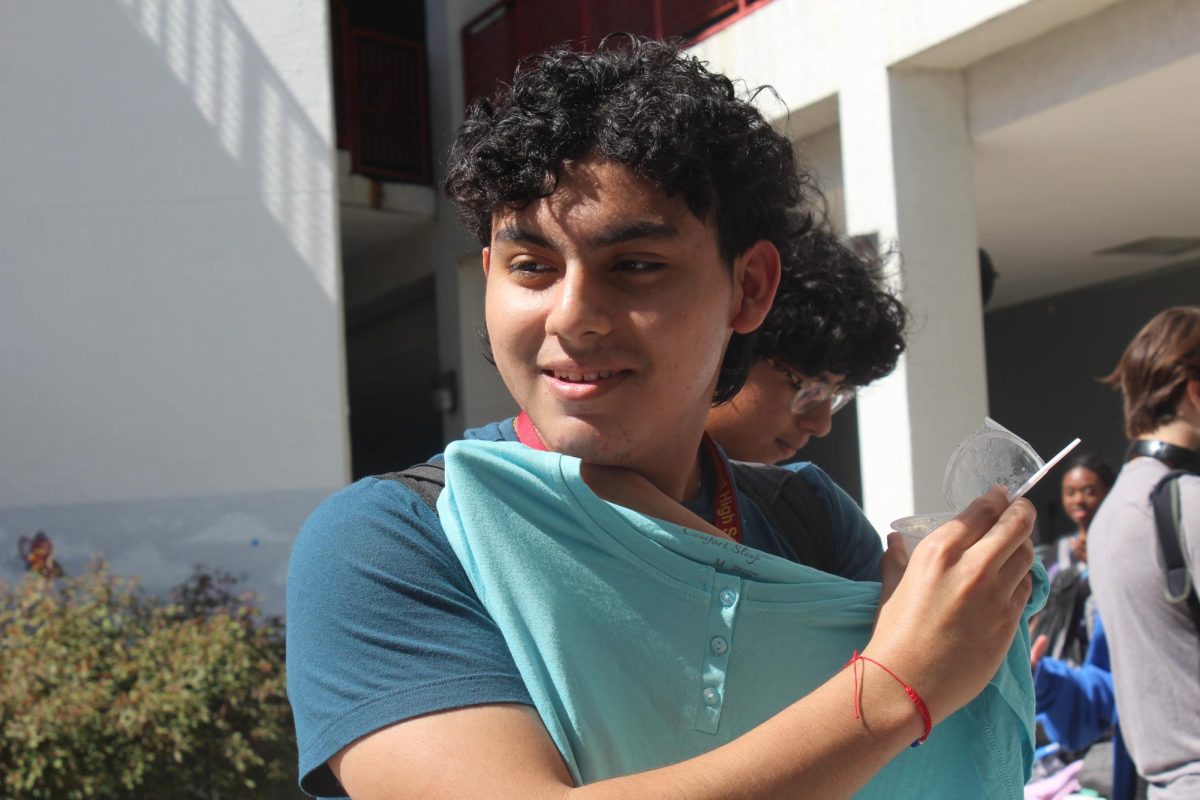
{"x": 170, "y": 317}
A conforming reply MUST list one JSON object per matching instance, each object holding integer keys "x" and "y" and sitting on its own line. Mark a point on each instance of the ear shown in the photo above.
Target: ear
{"x": 756, "y": 277}
{"x": 487, "y": 260}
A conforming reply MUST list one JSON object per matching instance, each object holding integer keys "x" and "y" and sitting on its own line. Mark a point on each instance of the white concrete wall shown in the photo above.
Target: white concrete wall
{"x": 821, "y": 153}
{"x": 170, "y": 313}
{"x": 804, "y": 48}
{"x": 908, "y": 178}
{"x": 1121, "y": 42}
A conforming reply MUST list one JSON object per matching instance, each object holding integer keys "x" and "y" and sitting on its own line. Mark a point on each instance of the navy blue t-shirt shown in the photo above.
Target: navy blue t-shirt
{"x": 383, "y": 624}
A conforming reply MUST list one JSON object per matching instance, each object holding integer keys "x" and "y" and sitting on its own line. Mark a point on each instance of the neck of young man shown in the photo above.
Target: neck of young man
{"x": 1181, "y": 432}
{"x": 673, "y": 466}
{"x": 629, "y": 489}
{"x": 681, "y": 485}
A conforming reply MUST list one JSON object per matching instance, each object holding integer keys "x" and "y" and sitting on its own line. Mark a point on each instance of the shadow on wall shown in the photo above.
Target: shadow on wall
{"x": 171, "y": 313}
{"x": 1044, "y": 358}
{"x": 253, "y": 115}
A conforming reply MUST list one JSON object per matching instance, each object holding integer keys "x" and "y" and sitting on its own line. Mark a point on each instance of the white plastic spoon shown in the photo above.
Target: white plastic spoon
{"x": 1037, "y": 476}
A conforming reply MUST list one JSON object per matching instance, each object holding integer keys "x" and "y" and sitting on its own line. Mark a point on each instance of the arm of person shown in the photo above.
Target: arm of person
{"x": 945, "y": 630}
{"x": 382, "y": 625}
{"x": 504, "y": 751}
{"x": 1079, "y": 703}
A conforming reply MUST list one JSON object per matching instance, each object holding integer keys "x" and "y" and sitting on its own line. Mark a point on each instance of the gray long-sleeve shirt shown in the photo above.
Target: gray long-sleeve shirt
{"x": 1154, "y": 645}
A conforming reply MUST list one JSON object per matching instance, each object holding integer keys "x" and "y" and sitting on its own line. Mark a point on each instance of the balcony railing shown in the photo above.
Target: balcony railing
{"x": 494, "y": 41}
{"x": 381, "y": 107}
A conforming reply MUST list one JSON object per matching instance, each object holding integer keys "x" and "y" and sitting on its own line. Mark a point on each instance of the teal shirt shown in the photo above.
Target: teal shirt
{"x": 643, "y": 643}
{"x": 384, "y": 625}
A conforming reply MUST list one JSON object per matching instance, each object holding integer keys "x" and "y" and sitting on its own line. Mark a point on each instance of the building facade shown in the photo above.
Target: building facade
{"x": 228, "y": 285}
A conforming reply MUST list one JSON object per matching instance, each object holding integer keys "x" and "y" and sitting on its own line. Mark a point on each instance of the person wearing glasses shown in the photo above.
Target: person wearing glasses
{"x": 832, "y": 328}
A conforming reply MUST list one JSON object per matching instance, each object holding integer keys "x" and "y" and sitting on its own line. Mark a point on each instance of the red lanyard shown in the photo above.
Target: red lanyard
{"x": 527, "y": 434}
{"x": 726, "y": 514}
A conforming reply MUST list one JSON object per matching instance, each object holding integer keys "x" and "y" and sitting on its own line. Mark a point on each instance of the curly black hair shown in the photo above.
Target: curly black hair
{"x": 833, "y": 314}
{"x": 645, "y": 105}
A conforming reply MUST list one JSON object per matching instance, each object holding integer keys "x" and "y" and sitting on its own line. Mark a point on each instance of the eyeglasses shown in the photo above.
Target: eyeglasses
{"x": 811, "y": 393}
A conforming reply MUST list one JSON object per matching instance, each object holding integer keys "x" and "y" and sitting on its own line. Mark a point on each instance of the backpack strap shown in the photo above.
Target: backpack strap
{"x": 1179, "y": 584}
{"x": 789, "y": 503}
{"x": 793, "y": 508}
{"x": 426, "y": 480}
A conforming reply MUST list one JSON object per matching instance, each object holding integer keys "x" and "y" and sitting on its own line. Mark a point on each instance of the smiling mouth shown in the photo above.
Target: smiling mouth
{"x": 582, "y": 377}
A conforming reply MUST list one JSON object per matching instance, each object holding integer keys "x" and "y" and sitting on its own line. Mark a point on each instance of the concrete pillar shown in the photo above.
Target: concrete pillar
{"x": 907, "y": 167}
{"x": 458, "y": 346}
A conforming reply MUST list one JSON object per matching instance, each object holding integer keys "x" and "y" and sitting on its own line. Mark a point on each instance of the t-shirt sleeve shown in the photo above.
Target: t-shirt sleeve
{"x": 857, "y": 547}
{"x": 382, "y": 625}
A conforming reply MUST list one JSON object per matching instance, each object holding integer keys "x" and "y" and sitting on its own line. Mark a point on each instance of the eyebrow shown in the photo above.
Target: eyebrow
{"x": 641, "y": 229}
{"x": 511, "y": 233}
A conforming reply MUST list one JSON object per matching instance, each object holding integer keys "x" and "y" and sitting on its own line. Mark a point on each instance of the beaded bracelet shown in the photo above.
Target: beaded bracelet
{"x": 908, "y": 690}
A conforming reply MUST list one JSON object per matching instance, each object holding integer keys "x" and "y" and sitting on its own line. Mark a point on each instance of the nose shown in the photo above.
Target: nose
{"x": 580, "y": 306}
{"x": 816, "y": 421}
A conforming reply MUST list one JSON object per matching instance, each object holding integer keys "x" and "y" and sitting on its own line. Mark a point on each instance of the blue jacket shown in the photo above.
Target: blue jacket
{"x": 1077, "y": 705}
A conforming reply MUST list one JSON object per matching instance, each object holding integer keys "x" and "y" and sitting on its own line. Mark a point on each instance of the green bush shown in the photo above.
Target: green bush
{"x": 106, "y": 691}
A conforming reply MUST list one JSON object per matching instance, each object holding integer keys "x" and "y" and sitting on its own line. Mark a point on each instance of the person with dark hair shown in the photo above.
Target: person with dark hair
{"x": 1085, "y": 482}
{"x": 1065, "y": 621}
{"x": 715, "y": 152}
{"x": 549, "y": 609}
{"x": 833, "y": 328}
{"x": 1142, "y": 550}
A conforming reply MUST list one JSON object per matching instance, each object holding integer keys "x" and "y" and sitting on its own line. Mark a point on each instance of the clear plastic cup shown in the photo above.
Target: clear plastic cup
{"x": 914, "y": 529}
{"x": 990, "y": 456}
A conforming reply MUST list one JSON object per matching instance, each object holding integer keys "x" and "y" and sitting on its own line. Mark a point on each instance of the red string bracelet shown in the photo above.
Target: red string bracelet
{"x": 908, "y": 690}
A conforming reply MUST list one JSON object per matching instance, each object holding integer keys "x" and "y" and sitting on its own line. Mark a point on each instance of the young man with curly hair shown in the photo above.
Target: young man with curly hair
{"x": 832, "y": 328}
{"x": 563, "y": 623}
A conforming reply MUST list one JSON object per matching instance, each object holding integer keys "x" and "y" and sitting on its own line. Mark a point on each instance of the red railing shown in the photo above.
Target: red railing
{"x": 494, "y": 41}
{"x": 380, "y": 103}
